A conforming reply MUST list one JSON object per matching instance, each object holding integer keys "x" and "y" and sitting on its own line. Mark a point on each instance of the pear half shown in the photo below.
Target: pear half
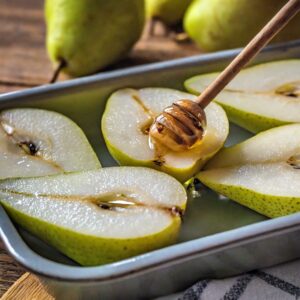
{"x": 99, "y": 216}
{"x": 260, "y": 97}
{"x": 126, "y": 121}
{"x": 262, "y": 173}
{"x": 35, "y": 142}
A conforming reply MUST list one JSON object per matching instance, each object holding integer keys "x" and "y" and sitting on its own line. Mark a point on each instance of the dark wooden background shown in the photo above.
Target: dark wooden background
{"x": 23, "y": 58}
{"x": 24, "y": 64}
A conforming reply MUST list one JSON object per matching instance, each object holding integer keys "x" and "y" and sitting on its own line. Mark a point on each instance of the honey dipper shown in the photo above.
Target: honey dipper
{"x": 182, "y": 125}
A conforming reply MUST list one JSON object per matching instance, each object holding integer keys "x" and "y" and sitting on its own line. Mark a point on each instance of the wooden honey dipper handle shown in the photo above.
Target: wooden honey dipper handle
{"x": 285, "y": 14}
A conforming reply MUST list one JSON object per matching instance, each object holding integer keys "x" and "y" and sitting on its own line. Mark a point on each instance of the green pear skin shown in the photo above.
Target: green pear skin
{"x": 250, "y": 121}
{"x": 261, "y": 173}
{"x": 128, "y": 143}
{"x": 268, "y": 205}
{"x": 170, "y": 12}
{"x": 260, "y": 97}
{"x": 215, "y": 25}
{"x": 85, "y": 249}
{"x": 65, "y": 211}
{"x": 89, "y": 35}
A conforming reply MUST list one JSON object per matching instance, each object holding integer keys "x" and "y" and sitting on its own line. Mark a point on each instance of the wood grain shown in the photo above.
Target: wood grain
{"x": 28, "y": 287}
{"x": 24, "y": 64}
{"x": 23, "y": 57}
{"x": 10, "y": 271}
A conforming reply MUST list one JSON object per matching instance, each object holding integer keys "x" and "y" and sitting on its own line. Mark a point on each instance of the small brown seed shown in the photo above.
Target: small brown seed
{"x": 29, "y": 147}
{"x": 294, "y": 161}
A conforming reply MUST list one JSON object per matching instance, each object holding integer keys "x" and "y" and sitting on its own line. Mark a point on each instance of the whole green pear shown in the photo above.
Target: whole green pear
{"x": 224, "y": 24}
{"x": 88, "y": 35}
{"x": 170, "y": 12}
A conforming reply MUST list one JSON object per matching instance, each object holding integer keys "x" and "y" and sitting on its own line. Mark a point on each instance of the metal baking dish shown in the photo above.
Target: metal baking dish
{"x": 218, "y": 238}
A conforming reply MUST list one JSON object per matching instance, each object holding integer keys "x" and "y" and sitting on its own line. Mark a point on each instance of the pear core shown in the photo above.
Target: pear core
{"x": 35, "y": 142}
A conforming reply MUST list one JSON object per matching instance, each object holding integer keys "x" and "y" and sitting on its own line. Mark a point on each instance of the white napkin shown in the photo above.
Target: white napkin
{"x": 277, "y": 283}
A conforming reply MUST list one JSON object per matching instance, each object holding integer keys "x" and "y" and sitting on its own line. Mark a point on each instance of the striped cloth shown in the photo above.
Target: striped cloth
{"x": 276, "y": 283}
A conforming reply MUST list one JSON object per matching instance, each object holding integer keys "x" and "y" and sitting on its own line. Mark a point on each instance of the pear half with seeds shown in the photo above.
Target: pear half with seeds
{"x": 101, "y": 216}
{"x": 262, "y": 173}
{"x": 260, "y": 97}
{"x": 35, "y": 142}
{"x": 126, "y": 121}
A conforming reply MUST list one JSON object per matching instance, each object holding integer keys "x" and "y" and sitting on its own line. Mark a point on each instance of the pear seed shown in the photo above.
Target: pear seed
{"x": 159, "y": 162}
{"x": 29, "y": 147}
{"x": 294, "y": 161}
{"x": 177, "y": 211}
{"x": 145, "y": 128}
{"x": 289, "y": 90}
{"x": 104, "y": 206}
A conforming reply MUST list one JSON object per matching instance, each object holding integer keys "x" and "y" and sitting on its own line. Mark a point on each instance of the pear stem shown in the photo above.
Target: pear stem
{"x": 62, "y": 64}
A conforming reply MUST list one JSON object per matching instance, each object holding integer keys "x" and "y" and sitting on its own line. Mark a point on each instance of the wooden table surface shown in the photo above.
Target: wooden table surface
{"x": 24, "y": 64}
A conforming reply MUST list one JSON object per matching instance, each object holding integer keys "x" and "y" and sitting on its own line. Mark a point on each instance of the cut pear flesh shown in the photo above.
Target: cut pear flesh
{"x": 99, "y": 216}
{"x": 274, "y": 145}
{"x": 35, "y": 142}
{"x": 260, "y": 97}
{"x": 125, "y": 125}
{"x": 262, "y": 173}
